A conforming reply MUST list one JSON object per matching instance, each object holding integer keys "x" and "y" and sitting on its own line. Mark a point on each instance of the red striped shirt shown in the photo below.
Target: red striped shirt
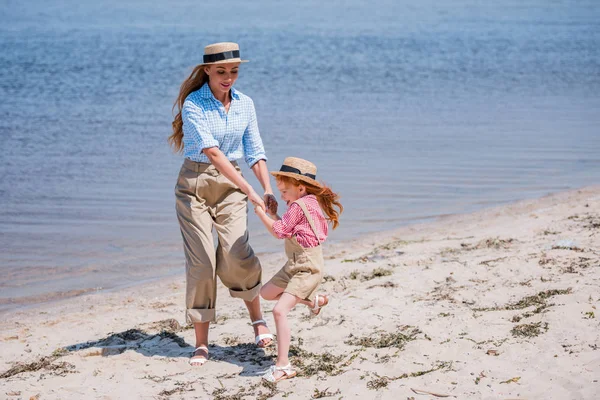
{"x": 294, "y": 222}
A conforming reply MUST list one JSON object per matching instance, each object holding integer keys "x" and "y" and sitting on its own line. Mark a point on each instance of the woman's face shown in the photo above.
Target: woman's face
{"x": 222, "y": 77}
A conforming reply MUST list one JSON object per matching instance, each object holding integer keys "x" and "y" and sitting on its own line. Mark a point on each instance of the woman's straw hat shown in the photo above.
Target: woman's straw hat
{"x": 222, "y": 53}
{"x": 299, "y": 169}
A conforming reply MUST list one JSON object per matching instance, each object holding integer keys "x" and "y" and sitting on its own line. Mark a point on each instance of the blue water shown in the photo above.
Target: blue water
{"x": 409, "y": 109}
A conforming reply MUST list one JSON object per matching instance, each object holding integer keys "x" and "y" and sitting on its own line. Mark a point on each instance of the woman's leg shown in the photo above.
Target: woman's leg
{"x": 256, "y": 314}
{"x": 196, "y": 226}
{"x": 201, "y": 331}
{"x": 237, "y": 266}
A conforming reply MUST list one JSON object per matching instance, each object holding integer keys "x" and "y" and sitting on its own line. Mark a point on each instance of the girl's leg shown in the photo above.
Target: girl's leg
{"x": 311, "y": 304}
{"x": 282, "y": 308}
{"x": 271, "y": 292}
{"x": 306, "y": 302}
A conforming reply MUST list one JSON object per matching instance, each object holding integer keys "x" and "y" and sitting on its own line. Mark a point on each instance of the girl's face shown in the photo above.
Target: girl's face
{"x": 289, "y": 192}
{"x": 222, "y": 77}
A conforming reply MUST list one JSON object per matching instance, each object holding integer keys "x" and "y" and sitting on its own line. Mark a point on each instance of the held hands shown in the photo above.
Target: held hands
{"x": 256, "y": 200}
{"x": 271, "y": 203}
{"x": 270, "y": 206}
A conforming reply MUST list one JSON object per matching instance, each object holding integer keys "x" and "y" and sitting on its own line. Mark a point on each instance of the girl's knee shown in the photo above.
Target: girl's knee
{"x": 279, "y": 312}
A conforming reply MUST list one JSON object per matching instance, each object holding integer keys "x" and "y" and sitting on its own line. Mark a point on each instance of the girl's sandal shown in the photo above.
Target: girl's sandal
{"x": 259, "y": 338}
{"x": 288, "y": 373}
{"x": 317, "y": 308}
{"x": 199, "y": 359}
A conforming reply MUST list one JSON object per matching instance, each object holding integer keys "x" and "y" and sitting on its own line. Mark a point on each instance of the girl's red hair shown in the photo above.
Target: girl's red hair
{"x": 326, "y": 197}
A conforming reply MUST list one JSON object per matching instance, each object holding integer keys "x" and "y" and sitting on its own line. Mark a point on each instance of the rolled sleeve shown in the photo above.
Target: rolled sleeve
{"x": 284, "y": 228}
{"x": 254, "y": 149}
{"x": 195, "y": 126}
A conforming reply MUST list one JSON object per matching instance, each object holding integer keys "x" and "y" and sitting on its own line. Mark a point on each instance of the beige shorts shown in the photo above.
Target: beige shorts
{"x": 302, "y": 284}
{"x": 302, "y": 273}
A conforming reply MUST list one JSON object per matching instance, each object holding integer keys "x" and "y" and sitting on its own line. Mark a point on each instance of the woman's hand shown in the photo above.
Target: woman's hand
{"x": 255, "y": 199}
{"x": 271, "y": 203}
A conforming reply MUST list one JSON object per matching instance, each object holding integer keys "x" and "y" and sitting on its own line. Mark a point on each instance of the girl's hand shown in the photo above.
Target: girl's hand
{"x": 271, "y": 203}
{"x": 256, "y": 200}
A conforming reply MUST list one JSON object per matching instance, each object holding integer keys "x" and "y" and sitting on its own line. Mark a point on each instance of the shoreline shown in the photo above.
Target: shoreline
{"x": 23, "y": 303}
{"x": 500, "y": 303}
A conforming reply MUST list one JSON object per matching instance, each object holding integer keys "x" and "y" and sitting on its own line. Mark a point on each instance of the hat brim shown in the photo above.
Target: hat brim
{"x": 298, "y": 177}
{"x": 228, "y": 61}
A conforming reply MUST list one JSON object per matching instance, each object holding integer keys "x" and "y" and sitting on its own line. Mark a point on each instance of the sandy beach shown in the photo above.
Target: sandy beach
{"x": 499, "y": 304}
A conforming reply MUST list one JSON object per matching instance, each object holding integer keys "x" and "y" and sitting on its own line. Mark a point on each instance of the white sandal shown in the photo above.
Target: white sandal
{"x": 288, "y": 373}
{"x": 199, "y": 359}
{"x": 317, "y": 308}
{"x": 258, "y": 338}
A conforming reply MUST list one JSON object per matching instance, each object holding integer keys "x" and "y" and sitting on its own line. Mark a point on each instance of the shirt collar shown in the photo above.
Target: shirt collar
{"x": 208, "y": 94}
{"x": 234, "y": 94}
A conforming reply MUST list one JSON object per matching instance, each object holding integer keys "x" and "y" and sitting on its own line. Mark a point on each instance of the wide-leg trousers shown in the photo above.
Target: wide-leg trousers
{"x": 205, "y": 199}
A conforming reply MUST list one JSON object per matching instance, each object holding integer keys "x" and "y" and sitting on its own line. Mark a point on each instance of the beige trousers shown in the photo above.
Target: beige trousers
{"x": 206, "y": 199}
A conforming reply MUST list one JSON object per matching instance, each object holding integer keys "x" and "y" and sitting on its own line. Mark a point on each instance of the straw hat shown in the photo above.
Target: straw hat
{"x": 300, "y": 169}
{"x": 221, "y": 53}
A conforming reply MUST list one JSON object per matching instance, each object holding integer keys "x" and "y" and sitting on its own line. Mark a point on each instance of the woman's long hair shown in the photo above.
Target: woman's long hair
{"x": 194, "y": 82}
{"x": 326, "y": 197}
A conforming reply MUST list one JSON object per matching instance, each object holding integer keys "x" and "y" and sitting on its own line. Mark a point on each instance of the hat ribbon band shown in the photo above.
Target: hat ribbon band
{"x": 287, "y": 168}
{"x": 226, "y": 55}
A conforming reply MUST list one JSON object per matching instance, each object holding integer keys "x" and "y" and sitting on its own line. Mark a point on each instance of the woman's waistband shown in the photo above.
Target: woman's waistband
{"x": 200, "y": 166}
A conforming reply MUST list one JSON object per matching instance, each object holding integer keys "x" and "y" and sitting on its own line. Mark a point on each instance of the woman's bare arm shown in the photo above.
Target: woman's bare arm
{"x": 224, "y": 166}
{"x": 262, "y": 174}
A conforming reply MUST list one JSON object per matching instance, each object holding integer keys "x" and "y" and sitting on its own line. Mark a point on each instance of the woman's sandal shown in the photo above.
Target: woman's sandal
{"x": 288, "y": 373}
{"x": 195, "y": 360}
{"x": 317, "y": 308}
{"x": 264, "y": 336}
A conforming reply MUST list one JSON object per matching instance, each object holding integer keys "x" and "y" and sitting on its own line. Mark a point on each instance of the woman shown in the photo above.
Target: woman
{"x": 215, "y": 125}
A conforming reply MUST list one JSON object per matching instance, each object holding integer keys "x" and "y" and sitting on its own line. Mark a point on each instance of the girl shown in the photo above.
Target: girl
{"x": 304, "y": 228}
{"x": 214, "y": 127}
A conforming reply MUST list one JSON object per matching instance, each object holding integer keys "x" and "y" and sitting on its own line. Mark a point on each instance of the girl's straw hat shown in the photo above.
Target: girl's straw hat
{"x": 299, "y": 169}
{"x": 221, "y": 53}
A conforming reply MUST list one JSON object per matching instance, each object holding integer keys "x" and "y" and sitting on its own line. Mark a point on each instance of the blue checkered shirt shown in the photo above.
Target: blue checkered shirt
{"x": 206, "y": 124}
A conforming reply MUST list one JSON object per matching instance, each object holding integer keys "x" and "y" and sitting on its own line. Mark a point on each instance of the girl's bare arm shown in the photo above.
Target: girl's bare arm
{"x": 267, "y": 220}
